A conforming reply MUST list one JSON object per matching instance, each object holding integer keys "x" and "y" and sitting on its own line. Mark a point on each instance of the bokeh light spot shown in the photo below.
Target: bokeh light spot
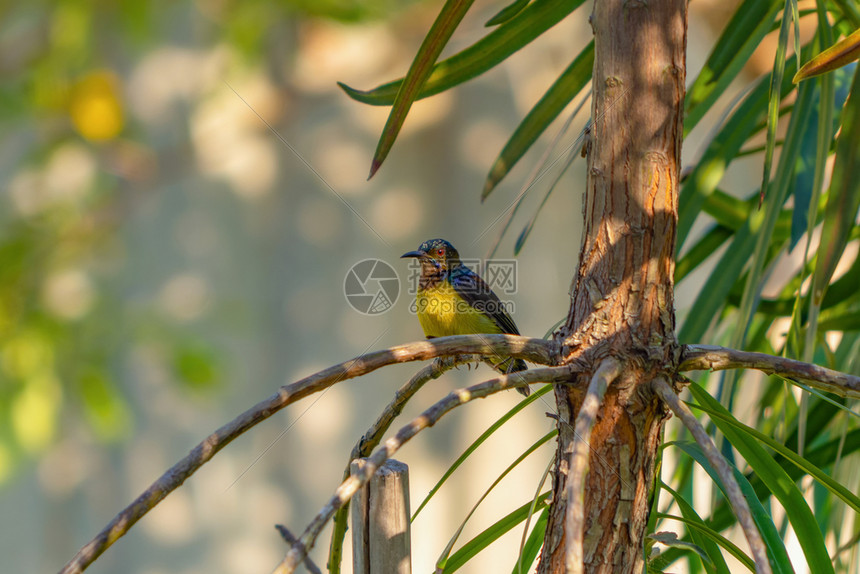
{"x": 68, "y": 294}
{"x": 95, "y": 106}
{"x": 185, "y": 297}
{"x": 34, "y": 412}
{"x": 396, "y": 213}
{"x": 26, "y": 354}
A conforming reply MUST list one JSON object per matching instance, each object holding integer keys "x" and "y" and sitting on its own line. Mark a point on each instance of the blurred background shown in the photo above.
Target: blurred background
{"x": 167, "y": 261}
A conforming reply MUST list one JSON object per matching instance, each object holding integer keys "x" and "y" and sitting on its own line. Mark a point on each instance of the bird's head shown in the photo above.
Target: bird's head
{"x": 435, "y": 255}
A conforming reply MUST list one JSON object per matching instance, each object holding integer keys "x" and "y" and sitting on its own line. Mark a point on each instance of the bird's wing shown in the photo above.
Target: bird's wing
{"x": 478, "y": 294}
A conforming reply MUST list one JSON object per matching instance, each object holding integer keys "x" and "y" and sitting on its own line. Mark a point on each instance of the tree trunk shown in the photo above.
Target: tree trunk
{"x": 623, "y": 301}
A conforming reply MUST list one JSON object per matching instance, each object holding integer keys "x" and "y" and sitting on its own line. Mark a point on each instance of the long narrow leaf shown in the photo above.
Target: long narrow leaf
{"x": 479, "y": 441}
{"x": 843, "y": 198}
{"x": 828, "y": 482}
{"x": 481, "y": 56}
{"x": 797, "y": 127}
{"x": 836, "y": 56}
{"x": 721, "y": 151}
{"x": 507, "y": 12}
{"x": 532, "y": 545}
{"x": 449, "y": 18}
{"x": 821, "y": 455}
{"x": 701, "y": 528}
{"x": 443, "y": 558}
{"x": 776, "y": 551}
{"x": 741, "y": 36}
{"x": 711, "y": 298}
{"x": 556, "y": 98}
{"x": 541, "y": 168}
{"x": 707, "y": 541}
{"x": 778, "y": 482}
{"x": 703, "y": 249}
{"x": 774, "y": 96}
{"x": 526, "y": 546}
{"x": 492, "y": 534}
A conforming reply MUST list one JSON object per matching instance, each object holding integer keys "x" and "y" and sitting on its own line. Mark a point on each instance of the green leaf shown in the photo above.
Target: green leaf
{"x": 720, "y": 152}
{"x": 801, "y": 186}
{"x": 742, "y": 35}
{"x": 778, "y": 482}
{"x": 671, "y": 540}
{"x": 493, "y": 533}
{"x": 843, "y": 317}
{"x": 533, "y": 544}
{"x": 443, "y": 558}
{"x": 836, "y": 56}
{"x": 823, "y": 397}
{"x": 449, "y": 18}
{"x": 507, "y": 12}
{"x": 843, "y": 198}
{"x": 481, "y": 56}
{"x": 553, "y": 102}
{"x": 831, "y": 484}
{"x": 705, "y": 537}
{"x": 479, "y": 441}
{"x": 774, "y": 96}
{"x": 776, "y": 552}
{"x": 196, "y": 365}
{"x": 703, "y": 249}
{"x": 722, "y": 541}
{"x": 820, "y": 455}
{"x": 727, "y": 271}
{"x": 764, "y": 232}
{"x": 541, "y": 168}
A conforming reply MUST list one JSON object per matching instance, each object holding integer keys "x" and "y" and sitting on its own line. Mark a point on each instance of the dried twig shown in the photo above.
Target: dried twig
{"x": 427, "y": 419}
{"x": 606, "y": 373}
{"x": 290, "y": 540}
{"x": 713, "y": 358}
{"x": 534, "y": 350}
{"x": 373, "y": 436}
{"x": 723, "y": 470}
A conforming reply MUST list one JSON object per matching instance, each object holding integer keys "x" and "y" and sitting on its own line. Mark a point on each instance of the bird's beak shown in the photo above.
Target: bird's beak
{"x": 418, "y": 254}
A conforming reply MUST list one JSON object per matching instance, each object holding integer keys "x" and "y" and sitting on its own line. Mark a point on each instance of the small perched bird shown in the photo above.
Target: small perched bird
{"x": 453, "y": 300}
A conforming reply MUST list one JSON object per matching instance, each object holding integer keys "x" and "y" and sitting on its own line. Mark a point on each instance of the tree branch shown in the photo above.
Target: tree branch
{"x": 427, "y": 419}
{"x": 723, "y": 470}
{"x": 606, "y": 373}
{"x": 713, "y": 358}
{"x": 533, "y": 350}
{"x": 290, "y": 539}
{"x": 373, "y": 437}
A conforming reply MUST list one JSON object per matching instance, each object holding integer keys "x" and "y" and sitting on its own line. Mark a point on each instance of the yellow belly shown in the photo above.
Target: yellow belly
{"x": 442, "y": 312}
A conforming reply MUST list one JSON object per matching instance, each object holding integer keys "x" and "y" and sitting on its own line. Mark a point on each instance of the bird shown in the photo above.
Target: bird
{"x": 451, "y": 299}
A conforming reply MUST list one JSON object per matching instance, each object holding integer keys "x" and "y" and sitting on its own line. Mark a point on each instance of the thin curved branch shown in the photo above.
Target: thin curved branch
{"x": 723, "y": 470}
{"x": 714, "y": 358}
{"x": 533, "y": 350}
{"x": 290, "y": 539}
{"x": 574, "y": 527}
{"x": 427, "y": 419}
{"x": 371, "y": 439}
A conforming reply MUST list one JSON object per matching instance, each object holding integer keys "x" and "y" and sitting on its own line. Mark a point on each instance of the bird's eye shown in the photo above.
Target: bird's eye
{"x": 440, "y": 252}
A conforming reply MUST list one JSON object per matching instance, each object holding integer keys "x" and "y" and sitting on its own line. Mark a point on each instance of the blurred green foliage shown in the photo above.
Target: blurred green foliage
{"x": 70, "y": 154}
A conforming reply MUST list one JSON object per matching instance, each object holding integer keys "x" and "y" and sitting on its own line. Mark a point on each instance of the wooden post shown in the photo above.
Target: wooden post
{"x": 380, "y": 521}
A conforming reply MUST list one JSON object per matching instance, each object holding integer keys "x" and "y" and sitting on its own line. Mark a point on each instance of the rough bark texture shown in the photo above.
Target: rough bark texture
{"x": 622, "y": 301}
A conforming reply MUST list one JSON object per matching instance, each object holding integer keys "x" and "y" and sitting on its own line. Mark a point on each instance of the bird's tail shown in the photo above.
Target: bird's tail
{"x": 512, "y": 365}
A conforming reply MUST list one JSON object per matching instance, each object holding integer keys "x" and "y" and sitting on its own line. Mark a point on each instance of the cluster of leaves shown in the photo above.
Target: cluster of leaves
{"x": 811, "y": 192}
